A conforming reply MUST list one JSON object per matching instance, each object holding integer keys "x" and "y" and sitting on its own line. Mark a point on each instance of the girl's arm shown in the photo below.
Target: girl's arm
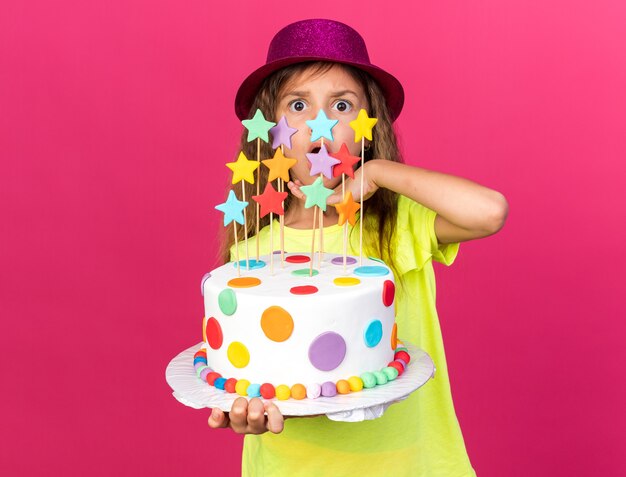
{"x": 465, "y": 209}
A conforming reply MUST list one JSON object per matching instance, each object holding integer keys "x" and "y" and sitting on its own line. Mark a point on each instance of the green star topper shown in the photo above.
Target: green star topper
{"x": 316, "y": 194}
{"x": 258, "y": 127}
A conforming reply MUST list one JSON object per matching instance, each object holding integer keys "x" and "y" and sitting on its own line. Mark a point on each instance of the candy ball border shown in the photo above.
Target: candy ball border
{"x": 243, "y": 387}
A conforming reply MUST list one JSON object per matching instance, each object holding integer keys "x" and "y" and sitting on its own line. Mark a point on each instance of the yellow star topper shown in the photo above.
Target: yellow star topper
{"x": 243, "y": 169}
{"x": 279, "y": 166}
{"x": 363, "y": 126}
{"x": 347, "y": 209}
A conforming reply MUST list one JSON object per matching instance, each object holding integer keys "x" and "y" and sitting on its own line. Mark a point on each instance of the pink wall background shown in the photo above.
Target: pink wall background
{"x": 115, "y": 121}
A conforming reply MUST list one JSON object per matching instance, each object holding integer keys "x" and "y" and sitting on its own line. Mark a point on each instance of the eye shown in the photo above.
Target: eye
{"x": 297, "y": 105}
{"x": 342, "y": 106}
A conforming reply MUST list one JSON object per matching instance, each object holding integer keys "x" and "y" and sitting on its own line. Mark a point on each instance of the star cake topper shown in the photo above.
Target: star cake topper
{"x": 232, "y": 208}
{"x": 258, "y": 126}
{"x": 271, "y": 201}
{"x": 363, "y": 126}
{"x": 281, "y": 134}
{"x": 322, "y": 162}
{"x": 243, "y": 169}
{"x": 347, "y": 162}
{"x": 321, "y": 126}
{"x": 316, "y": 194}
{"x": 347, "y": 209}
{"x": 279, "y": 166}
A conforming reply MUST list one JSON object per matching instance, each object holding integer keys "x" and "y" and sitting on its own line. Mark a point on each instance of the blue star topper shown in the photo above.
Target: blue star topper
{"x": 232, "y": 208}
{"x": 321, "y": 126}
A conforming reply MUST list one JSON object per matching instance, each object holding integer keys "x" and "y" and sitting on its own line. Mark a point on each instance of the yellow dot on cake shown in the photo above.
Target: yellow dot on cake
{"x": 238, "y": 354}
{"x": 346, "y": 281}
{"x": 276, "y": 323}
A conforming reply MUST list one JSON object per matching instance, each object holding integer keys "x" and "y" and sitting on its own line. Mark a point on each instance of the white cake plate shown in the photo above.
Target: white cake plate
{"x": 358, "y": 406}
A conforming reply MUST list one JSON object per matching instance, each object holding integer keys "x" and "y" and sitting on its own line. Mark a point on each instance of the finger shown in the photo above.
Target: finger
{"x": 239, "y": 415}
{"x": 218, "y": 419}
{"x": 335, "y": 198}
{"x": 256, "y": 417}
{"x": 275, "y": 420}
{"x": 295, "y": 190}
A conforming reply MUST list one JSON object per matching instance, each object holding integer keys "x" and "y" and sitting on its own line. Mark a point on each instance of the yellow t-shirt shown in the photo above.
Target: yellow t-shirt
{"x": 418, "y": 437}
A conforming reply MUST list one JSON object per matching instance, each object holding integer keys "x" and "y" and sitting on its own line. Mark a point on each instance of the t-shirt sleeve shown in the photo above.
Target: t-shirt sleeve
{"x": 416, "y": 240}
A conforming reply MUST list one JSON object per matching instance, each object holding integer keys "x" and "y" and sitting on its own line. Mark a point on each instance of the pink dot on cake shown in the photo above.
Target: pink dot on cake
{"x": 277, "y": 323}
{"x": 327, "y": 351}
{"x": 214, "y": 333}
{"x": 297, "y": 259}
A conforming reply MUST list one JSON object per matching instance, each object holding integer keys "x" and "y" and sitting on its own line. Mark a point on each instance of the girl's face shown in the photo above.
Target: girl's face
{"x": 336, "y": 93}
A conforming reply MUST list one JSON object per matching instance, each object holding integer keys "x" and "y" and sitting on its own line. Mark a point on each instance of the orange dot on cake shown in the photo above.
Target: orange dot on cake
{"x": 244, "y": 282}
{"x": 277, "y": 323}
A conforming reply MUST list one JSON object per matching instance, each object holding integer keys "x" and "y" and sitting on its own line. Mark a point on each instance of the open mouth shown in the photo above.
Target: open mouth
{"x": 315, "y": 150}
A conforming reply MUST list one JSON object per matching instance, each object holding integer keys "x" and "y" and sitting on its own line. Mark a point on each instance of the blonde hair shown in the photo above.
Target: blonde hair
{"x": 381, "y": 208}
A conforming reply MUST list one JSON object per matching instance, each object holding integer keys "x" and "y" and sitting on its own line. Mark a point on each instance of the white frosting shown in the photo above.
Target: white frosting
{"x": 345, "y": 310}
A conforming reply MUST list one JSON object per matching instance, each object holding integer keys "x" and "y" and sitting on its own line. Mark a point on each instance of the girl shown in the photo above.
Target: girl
{"x": 413, "y": 216}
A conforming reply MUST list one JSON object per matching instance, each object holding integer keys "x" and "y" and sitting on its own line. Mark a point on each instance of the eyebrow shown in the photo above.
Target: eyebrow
{"x": 334, "y": 94}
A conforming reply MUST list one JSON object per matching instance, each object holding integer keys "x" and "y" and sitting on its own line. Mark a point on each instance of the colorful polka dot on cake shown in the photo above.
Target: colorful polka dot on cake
{"x": 227, "y": 300}
{"x": 214, "y": 333}
{"x": 303, "y": 290}
{"x": 219, "y": 383}
{"x": 346, "y": 281}
{"x": 277, "y": 323}
{"x": 238, "y": 354}
{"x": 244, "y": 282}
{"x": 389, "y": 292}
{"x": 327, "y": 351}
{"x": 297, "y": 259}
{"x": 241, "y": 387}
{"x": 373, "y": 333}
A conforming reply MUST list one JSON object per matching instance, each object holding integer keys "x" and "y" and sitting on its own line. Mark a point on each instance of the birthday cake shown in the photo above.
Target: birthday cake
{"x": 295, "y": 331}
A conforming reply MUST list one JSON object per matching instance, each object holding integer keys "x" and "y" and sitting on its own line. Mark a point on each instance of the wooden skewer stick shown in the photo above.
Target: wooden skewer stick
{"x": 362, "y": 215}
{"x": 313, "y": 243}
{"x": 245, "y": 226}
{"x": 321, "y": 220}
{"x": 236, "y": 248}
{"x": 345, "y": 226}
{"x": 281, "y": 186}
{"x": 258, "y": 192}
{"x": 271, "y": 244}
